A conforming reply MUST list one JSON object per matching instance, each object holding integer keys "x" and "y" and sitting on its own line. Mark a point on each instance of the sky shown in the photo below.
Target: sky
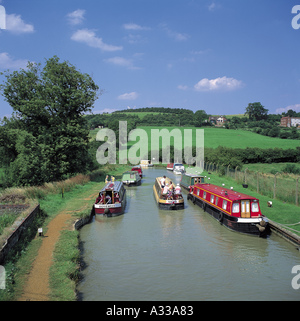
{"x": 212, "y": 55}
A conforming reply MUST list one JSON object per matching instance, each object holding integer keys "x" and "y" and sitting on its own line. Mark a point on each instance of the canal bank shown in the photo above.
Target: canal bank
{"x": 179, "y": 255}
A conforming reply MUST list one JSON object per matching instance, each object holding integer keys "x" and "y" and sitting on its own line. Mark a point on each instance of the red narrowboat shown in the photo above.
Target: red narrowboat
{"x": 138, "y": 169}
{"x": 170, "y": 166}
{"x": 237, "y": 211}
{"x": 111, "y": 200}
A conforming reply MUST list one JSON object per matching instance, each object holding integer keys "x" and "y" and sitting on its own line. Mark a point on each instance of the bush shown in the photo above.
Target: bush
{"x": 291, "y": 169}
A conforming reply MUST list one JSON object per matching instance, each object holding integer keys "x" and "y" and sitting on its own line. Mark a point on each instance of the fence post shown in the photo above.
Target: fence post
{"x": 235, "y": 174}
{"x": 297, "y": 181}
{"x": 275, "y": 185}
{"x": 245, "y": 176}
{"x": 257, "y": 182}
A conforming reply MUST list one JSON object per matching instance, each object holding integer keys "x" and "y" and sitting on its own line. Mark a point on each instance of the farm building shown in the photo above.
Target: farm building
{"x": 290, "y": 121}
{"x": 217, "y": 120}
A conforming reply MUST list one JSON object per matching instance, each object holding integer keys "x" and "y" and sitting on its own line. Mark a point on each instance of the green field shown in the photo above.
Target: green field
{"x": 214, "y": 137}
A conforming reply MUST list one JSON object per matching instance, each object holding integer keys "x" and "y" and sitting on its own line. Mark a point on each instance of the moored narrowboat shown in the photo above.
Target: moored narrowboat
{"x": 170, "y": 166}
{"x": 131, "y": 178}
{"x": 166, "y": 198}
{"x": 138, "y": 169}
{"x": 188, "y": 180}
{"x": 146, "y": 163}
{"x": 237, "y": 211}
{"x": 111, "y": 200}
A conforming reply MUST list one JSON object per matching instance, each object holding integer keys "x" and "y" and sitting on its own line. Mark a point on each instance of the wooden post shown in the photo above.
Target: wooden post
{"x": 235, "y": 173}
{"x": 245, "y": 177}
{"x": 257, "y": 182}
{"x": 275, "y": 185}
{"x": 297, "y": 181}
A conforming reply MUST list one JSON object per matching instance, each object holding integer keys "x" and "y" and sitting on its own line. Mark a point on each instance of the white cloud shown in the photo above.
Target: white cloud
{"x": 15, "y": 24}
{"x": 6, "y": 62}
{"x": 76, "y": 17}
{"x": 129, "y": 96}
{"x": 89, "y": 37}
{"x": 224, "y": 84}
{"x": 120, "y": 61}
{"x": 182, "y": 87}
{"x": 214, "y": 6}
{"x": 133, "y": 26}
{"x": 175, "y": 35}
{"x": 295, "y": 107}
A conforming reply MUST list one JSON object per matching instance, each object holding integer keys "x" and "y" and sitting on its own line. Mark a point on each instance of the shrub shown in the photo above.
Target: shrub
{"x": 291, "y": 169}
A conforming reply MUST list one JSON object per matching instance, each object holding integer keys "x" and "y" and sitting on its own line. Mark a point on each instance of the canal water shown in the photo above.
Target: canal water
{"x": 155, "y": 255}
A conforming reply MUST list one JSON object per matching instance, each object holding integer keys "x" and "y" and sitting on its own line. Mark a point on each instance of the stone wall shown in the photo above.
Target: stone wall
{"x": 14, "y": 238}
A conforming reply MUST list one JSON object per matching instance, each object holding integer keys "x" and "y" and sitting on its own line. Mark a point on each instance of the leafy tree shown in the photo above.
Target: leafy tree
{"x": 200, "y": 116}
{"x": 256, "y": 111}
{"x": 49, "y": 105}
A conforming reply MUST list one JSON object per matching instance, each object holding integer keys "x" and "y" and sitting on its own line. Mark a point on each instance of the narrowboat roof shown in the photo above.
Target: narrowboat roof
{"x": 131, "y": 172}
{"x": 225, "y": 192}
{"x": 116, "y": 186}
{"x": 192, "y": 175}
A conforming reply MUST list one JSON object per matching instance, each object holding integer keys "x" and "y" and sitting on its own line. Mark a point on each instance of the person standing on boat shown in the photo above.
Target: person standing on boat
{"x": 163, "y": 182}
{"x": 170, "y": 191}
{"x": 108, "y": 199}
{"x": 177, "y": 189}
{"x": 106, "y": 179}
{"x": 112, "y": 179}
{"x": 165, "y": 189}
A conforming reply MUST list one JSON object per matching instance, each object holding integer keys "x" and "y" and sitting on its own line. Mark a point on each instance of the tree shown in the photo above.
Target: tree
{"x": 200, "y": 116}
{"x": 49, "y": 105}
{"x": 256, "y": 111}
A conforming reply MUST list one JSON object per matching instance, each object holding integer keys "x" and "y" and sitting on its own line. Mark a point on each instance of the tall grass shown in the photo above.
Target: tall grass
{"x": 280, "y": 186}
{"x": 6, "y": 219}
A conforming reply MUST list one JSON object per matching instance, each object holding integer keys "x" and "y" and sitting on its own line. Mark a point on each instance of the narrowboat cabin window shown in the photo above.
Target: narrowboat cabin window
{"x": 217, "y": 198}
{"x": 204, "y": 195}
{"x": 224, "y": 205}
{"x": 198, "y": 191}
{"x": 235, "y": 207}
{"x": 212, "y": 197}
{"x": 255, "y": 207}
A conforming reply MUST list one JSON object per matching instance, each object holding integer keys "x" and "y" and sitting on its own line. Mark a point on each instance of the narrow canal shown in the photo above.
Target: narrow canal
{"x": 150, "y": 254}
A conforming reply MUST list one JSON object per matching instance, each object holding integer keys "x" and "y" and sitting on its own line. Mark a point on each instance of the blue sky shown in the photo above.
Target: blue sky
{"x": 216, "y": 55}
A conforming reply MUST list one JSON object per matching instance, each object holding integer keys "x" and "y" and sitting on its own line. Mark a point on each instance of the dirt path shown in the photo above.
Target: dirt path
{"x": 37, "y": 287}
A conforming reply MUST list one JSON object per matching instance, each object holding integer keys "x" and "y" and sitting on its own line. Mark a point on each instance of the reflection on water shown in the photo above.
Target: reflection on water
{"x": 151, "y": 254}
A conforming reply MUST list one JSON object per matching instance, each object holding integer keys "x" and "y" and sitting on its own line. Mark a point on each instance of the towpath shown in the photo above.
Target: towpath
{"x": 37, "y": 286}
